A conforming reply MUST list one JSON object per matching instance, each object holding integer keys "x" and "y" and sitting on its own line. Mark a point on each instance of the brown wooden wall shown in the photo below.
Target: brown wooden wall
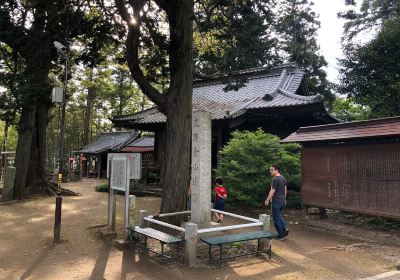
{"x": 359, "y": 178}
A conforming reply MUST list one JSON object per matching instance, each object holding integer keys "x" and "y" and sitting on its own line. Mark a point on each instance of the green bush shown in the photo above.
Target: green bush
{"x": 102, "y": 188}
{"x": 132, "y": 190}
{"x": 293, "y": 200}
{"x": 244, "y": 165}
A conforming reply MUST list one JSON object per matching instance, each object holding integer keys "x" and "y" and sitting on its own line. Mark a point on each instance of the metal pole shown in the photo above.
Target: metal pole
{"x": 62, "y": 122}
{"x": 57, "y": 218}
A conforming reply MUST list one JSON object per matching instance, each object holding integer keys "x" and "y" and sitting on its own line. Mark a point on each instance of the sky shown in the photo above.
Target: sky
{"x": 330, "y": 33}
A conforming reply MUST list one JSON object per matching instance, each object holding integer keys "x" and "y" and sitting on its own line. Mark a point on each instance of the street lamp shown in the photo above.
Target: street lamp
{"x": 58, "y": 96}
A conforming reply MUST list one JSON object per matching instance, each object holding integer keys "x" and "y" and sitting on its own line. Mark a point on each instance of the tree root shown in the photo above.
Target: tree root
{"x": 52, "y": 189}
{"x": 345, "y": 248}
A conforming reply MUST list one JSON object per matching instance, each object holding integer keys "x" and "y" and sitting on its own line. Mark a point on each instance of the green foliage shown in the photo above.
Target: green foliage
{"x": 347, "y": 110}
{"x": 380, "y": 223}
{"x": 297, "y": 26}
{"x": 372, "y": 14}
{"x": 370, "y": 72}
{"x": 293, "y": 200}
{"x": 12, "y": 136}
{"x": 113, "y": 93}
{"x": 101, "y": 188}
{"x": 371, "y": 221}
{"x": 245, "y": 163}
{"x": 233, "y": 35}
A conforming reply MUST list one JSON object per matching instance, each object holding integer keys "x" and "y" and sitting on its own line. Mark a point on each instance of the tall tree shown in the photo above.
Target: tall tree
{"x": 297, "y": 26}
{"x": 161, "y": 32}
{"x": 29, "y": 28}
{"x": 176, "y": 101}
{"x": 369, "y": 72}
{"x": 233, "y": 35}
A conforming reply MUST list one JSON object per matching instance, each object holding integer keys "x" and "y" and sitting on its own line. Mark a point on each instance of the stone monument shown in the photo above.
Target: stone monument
{"x": 201, "y": 168}
{"x": 8, "y": 188}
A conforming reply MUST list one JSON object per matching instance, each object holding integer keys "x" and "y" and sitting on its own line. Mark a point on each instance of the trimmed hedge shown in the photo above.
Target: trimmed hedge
{"x": 244, "y": 165}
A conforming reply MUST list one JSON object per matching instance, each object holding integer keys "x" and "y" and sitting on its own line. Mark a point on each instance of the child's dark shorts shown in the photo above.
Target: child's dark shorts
{"x": 219, "y": 204}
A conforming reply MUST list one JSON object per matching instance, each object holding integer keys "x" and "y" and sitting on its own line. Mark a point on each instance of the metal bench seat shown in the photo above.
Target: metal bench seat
{"x": 232, "y": 238}
{"x": 163, "y": 237}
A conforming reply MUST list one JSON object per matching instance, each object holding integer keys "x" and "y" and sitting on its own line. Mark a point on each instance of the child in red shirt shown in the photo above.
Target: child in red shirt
{"x": 220, "y": 195}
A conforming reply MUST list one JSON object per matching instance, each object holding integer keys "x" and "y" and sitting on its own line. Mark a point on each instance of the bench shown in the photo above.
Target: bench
{"x": 232, "y": 238}
{"x": 163, "y": 237}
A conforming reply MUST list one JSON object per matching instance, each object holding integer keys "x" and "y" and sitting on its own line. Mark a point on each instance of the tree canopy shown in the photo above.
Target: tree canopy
{"x": 297, "y": 25}
{"x": 370, "y": 70}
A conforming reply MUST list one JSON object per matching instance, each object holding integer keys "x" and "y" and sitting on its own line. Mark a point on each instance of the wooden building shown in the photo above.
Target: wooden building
{"x": 352, "y": 166}
{"x": 95, "y": 153}
{"x": 276, "y": 100}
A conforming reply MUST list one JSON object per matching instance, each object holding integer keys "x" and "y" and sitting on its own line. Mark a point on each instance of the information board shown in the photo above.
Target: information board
{"x": 360, "y": 178}
{"x": 118, "y": 173}
{"x": 135, "y": 165}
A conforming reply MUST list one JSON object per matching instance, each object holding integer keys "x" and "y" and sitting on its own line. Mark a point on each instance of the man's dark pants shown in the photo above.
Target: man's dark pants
{"x": 279, "y": 222}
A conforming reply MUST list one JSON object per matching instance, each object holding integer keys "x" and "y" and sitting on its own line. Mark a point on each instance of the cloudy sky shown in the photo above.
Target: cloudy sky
{"x": 330, "y": 33}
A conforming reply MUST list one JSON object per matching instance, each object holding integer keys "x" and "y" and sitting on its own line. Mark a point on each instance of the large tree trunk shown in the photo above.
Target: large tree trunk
{"x": 3, "y": 149}
{"x": 86, "y": 121}
{"x": 30, "y": 161}
{"x": 175, "y": 174}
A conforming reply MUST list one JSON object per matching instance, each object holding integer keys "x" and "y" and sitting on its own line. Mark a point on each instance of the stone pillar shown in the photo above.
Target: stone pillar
{"x": 142, "y": 215}
{"x": 8, "y": 188}
{"x": 266, "y": 220}
{"x": 201, "y": 168}
{"x": 191, "y": 244}
{"x": 142, "y": 223}
{"x": 132, "y": 206}
{"x": 112, "y": 209}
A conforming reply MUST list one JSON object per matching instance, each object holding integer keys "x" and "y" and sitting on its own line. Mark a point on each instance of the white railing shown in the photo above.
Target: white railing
{"x": 164, "y": 224}
{"x": 230, "y": 227}
{"x": 235, "y": 216}
{"x": 254, "y": 222}
{"x": 170, "y": 214}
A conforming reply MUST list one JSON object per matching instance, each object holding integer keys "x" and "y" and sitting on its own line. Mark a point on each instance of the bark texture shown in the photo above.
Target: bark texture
{"x": 88, "y": 113}
{"x": 176, "y": 102}
{"x": 178, "y": 108}
{"x": 30, "y": 161}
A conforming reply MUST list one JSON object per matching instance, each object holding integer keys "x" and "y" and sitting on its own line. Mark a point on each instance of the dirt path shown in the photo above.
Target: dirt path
{"x": 27, "y": 250}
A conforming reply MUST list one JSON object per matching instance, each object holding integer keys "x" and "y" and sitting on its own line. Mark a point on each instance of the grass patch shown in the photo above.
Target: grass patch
{"x": 371, "y": 221}
{"x": 132, "y": 190}
{"x": 380, "y": 223}
{"x": 236, "y": 244}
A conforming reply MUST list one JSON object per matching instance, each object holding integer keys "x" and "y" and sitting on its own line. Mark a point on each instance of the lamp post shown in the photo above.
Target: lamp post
{"x": 59, "y": 96}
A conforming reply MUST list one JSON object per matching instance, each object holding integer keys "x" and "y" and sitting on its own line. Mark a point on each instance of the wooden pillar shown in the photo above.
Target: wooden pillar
{"x": 159, "y": 145}
{"x": 220, "y": 144}
{"x": 99, "y": 166}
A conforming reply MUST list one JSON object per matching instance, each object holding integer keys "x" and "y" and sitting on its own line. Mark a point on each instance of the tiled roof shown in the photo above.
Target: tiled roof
{"x": 263, "y": 89}
{"x": 387, "y": 127}
{"x": 111, "y": 141}
{"x": 144, "y": 141}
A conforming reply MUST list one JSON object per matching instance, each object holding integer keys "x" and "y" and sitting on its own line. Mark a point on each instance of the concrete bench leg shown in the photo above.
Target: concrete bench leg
{"x": 191, "y": 244}
{"x": 266, "y": 220}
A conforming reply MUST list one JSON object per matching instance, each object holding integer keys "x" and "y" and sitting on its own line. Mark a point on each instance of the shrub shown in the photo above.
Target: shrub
{"x": 244, "y": 165}
{"x": 102, "y": 188}
{"x": 293, "y": 200}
